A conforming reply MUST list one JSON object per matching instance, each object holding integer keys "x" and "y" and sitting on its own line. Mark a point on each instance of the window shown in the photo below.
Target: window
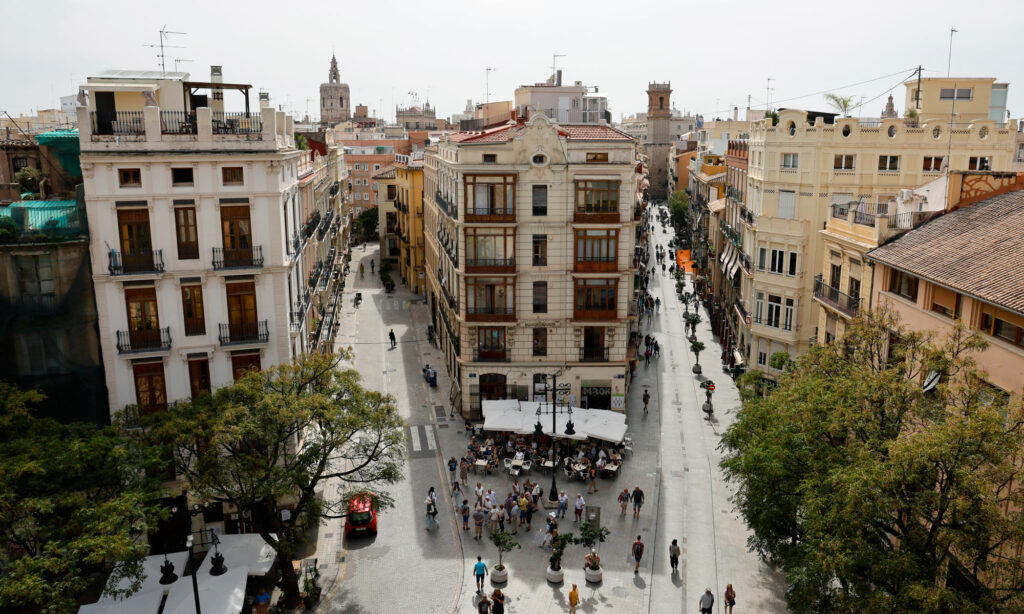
{"x": 903, "y": 284}
{"x": 960, "y": 93}
{"x": 888, "y": 163}
{"x": 759, "y": 308}
{"x": 242, "y": 363}
{"x": 192, "y": 307}
{"x": 129, "y": 177}
{"x": 35, "y": 275}
{"x": 791, "y": 271}
{"x": 392, "y": 192}
{"x": 540, "y": 250}
{"x": 490, "y": 194}
{"x": 597, "y": 156}
{"x": 843, "y": 162}
{"x": 181, "y": 176}
{"x": 1020, "y": 152}
{"x": 490, "y": 343}
{"x": 540, "y": 342}
{"x": 490, "y": 246}
{"x": 932, "y": 164}
{"x": 787, "y": 204}
{"x": 762, "y": 358}
{"x": 199, "y": 376}
{"x": 540, "y": 200}
{"x": 787, "y": 319}
{"x": 998, "y": 327}
{"x": 150, "y": 390}
{"x": 774, "y": 310}
{"x": 854, "y": 288}
{"x": 790, "y": 160}
{"x": 596, "y": 295}
{"x": 540, "y": 297}
{"x": 490, "y": 158}
{"x": 946, "y": 302}
{"x": 597, "y": 197}
{"x": 185, "y": 228}
{"x": 231, "y": 175}
{"x": 376, "y": 167}
{"x": 983, "y": 163}
{"x": 20, "y": 163}
{"x": 778, "y": 260}
{"x": 596, "y": 249}
{"x": 762, "y": 253}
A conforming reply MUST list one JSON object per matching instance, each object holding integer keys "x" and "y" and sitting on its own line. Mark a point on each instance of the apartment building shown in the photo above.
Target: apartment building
{"x": 387, "y": 212}
{"x": 212, "y": 238}
{"x": 805, "y": 162}
{"x": 530, "y": 235}
{"x": 679, "y": 157}
{"x": 364, "y": 157}
{"x": 415, "y": 117}
{"x": 409, "y": 204}
{"x": 574, "y": 103}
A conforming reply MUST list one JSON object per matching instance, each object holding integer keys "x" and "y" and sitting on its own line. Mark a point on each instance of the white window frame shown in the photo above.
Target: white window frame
{"x": 842, "y": 160}
{"x": 792, "y": 264}
{"x": 888, "y": 163}
{"x": 759, "y": 307}
{"x": 977, "y": 161}
{"x": 936, "y": 164}
{"x": 762, "y": 258}
{"x": 781, "y": 261}
{"x": 788, "y": 311}
{"x": 774, "y": 309}
{"x": 787, "y": 204}
{"x": 762, "y": 358}
{"x": 790, "y": 160}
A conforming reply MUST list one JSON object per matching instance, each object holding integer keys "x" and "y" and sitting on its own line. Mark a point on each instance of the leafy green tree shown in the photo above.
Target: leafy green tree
{"x": 304, "y": 434}
{"x": 696, "y": 347}
{"x": 843, "y": 104}
{"x": 678, "y": 206}
{"x": 28, "y": 179}
{"x": 873, "y": 494}
{"x": 301, "y": 142}
{"x": 504, "y": 542}
{"x": 74, "y": 500}
{"x": 366, "y": 224}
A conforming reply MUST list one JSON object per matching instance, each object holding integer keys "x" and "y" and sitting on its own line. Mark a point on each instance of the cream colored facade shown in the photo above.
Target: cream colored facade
{"x": 975, "y": 99}
{"x": 387, "y": 214}
{"x": 523, "y": 278}
{"x": 797, "y": 169}
{"x": 213, "y": 239}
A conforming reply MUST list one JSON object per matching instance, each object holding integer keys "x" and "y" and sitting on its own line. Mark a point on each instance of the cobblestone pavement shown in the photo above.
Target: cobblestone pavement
{"x": 674, "y": 460}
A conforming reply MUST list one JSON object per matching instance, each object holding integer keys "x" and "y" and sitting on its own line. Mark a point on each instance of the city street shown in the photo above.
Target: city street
{"x": 674, "y": 460}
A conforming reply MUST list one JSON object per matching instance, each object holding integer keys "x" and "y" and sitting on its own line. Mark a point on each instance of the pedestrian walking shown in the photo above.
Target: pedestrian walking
{"x": 391, "y": 336}
{"x": 431, "y": 514}
{"x": 647, "y": 356}
{"x": 494, "y": 516}
{"x": 563, "y": 504}
{"x": 513, "y": 517}
{"x": 497, "y": 602}
{"x": 360, "y": 270}
{"x": 371, "y": 267}
{"x": 478, "y": 520}
{"x": 657, "y": 349}
{"x": 729, "y": 598}
{"x": 479, "y": 491}
{"x": 637, "y": 551}
{"x": 453, "y": 466}
{"x": 624, "y": 500}
{"x": 531, "y": 508}
{"x": 638, "y": 501}
{"x": 574, "y": 599}
{"x": 464, "y": 472}
{"x": 657, "y": 304}
{"x": 673, "y": 556}
{"x": 647, "y": 399}
{"x": 456, "y": 493}
{"x": 480, "y": 570}
{"x": 706, "y": 601}
{"x": 465, "y": 514}
{"x": 580, "y": 504}
{"x": 592, "y": 487}
{"x": 483, "y": 606}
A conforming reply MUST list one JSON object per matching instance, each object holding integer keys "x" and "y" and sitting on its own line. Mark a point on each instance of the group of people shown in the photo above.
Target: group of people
{"x": 495, "y": 604}
{"x": 651, "y": 348}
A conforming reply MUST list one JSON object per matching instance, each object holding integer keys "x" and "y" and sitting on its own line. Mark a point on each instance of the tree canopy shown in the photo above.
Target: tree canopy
{"x": 366, "y": 224}
{"x": 304, "y": 436}
{"x": 874, "y": 494}
{"x": 74, "y": 500}
{"x": 678, "y": 204}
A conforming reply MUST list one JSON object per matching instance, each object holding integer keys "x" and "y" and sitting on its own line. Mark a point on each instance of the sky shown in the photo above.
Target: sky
{"x": 400, "y": 53}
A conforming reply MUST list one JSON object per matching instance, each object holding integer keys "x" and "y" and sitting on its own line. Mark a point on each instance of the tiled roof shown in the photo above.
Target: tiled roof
{"x": 977, "y": 250}
{"x": 573, "y": 132}
{"x": 388, "y": 172}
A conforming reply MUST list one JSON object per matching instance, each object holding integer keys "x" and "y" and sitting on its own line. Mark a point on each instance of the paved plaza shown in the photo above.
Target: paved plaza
{"x": 674, "y": 460}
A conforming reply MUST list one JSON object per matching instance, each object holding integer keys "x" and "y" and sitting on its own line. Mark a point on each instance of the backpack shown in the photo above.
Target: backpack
{"x": 638, "y": 549}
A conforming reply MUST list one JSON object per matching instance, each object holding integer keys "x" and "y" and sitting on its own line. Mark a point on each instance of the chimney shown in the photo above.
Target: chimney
{"x": 217, "y": 97}
{"x": 735, "y": 113}
{"x": 558, "y": 77}
{"x": 264, "y": 100}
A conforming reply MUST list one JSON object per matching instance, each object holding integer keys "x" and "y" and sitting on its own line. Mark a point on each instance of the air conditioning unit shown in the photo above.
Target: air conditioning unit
{"x": 906, "y": 194}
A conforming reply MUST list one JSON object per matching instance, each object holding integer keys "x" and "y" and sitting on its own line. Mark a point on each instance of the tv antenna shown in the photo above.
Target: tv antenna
{"x": 163, "y": 38}
{"x": 487, "y": 84}
{"x": 768, "y": 95}
{"x": 554, "y": 61}
{"x": 179, "y": 61}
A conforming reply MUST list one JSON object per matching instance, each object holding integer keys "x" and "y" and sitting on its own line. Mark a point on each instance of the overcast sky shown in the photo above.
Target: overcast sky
{"x": 715, "y": 54}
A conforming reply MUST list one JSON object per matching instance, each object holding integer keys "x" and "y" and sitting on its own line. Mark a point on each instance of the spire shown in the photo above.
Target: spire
{"x": 334, "y": 76}
{"x": 890, "y": 110}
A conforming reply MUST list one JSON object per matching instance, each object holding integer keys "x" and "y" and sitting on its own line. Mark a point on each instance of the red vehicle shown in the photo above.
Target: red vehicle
{"x": 361, "y": 518}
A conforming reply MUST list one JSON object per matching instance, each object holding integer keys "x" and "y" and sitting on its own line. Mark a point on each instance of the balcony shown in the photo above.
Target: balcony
{"x": 490, "y": 214}
{"x": 594, "y": 354}
{"x": 490, "y": 313}
{"x": 151, "y": 340}
{"x": 840, "y": 301}
{"x": 490, "y": 355}
{"x": 176, "y": 122}
{"x": 595, "y": 314}
{"x": 237, "y": 123}
{"x": 491, "y": 265}
{"x": 596, "y": 216}
{"x": 118, "y": 123}
{"x": 605, "y": 264}
{"x": 245, "y": 332}
{"x": 239, "y": 258}
{"x": 136, "y": 263}
{"x": 446, "y": 205}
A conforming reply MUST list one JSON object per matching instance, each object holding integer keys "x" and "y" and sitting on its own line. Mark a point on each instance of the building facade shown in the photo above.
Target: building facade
{"x": 409, "y": 203}
{"x": 659, "y": 138}
{"x": 364, "y": 158}
{"x": 387, "y": 213}
{"x": 335, "y": 101}
{"x": 211, "y": 238}
{"x": 416, "y": 117}
{"x": 530, "y": 232}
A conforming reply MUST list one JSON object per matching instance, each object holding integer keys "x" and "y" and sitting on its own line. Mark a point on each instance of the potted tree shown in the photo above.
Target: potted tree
{"x": 555, "y": 574}
{"x": 696, "y": 347}
{"x": 692, "y": 320}
{"x": 504, "y": 542}
{"x": 592, "y": 534}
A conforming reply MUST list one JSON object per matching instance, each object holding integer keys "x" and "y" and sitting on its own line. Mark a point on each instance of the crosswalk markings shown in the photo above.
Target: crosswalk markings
{"x": 414, "y": 435}
{"x": 422, "y": 438}
{"x": 431, "y": 440}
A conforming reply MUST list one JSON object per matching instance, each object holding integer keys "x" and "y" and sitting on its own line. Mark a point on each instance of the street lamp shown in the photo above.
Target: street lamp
{"x": 554, "y": 411}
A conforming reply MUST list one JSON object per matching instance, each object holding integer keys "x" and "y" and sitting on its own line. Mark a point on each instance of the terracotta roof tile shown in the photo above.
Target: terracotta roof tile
{"x": 573, "y": 132}
{"x": 388, "y": 172}
{"x": 978, "y": 250}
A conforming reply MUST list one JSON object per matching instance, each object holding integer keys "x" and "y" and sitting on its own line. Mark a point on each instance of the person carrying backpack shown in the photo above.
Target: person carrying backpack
{"x": 638, "y": 553}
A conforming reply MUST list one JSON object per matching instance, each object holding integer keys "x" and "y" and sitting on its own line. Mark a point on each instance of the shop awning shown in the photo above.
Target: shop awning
{"x": 141, "y": 603}
{"x": 245, "y": 550}
{"x": 735, "y": 263}
{"x": 217, "y": 594}
{"x": 150, "y": 575}
{"x": 603, "y": 424}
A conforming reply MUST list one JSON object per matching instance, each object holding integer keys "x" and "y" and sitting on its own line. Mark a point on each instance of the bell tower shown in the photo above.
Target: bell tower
{"x": 659, "y": 137}
{"x": 334, "y": 96}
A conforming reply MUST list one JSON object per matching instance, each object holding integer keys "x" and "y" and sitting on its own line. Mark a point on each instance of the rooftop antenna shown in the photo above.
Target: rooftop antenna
{"x": 949, "y": 59}
{"x": 487, "y": 84}
{"x": 179, "y": 61}
{"x": 163, "y": 37}
{"x": 768, "y": 95}
{"x": 554, "y": 60}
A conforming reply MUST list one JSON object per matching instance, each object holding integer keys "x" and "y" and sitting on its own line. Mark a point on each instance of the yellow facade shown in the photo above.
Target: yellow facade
{"x": 974, "y": 99}
{"x": 409, "y": 203}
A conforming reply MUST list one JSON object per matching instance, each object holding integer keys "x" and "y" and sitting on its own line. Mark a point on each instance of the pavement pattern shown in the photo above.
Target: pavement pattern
{"x": 406, "y": 568}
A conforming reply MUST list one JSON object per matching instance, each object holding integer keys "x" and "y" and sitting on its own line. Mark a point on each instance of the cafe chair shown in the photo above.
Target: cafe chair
{"x": 527, "y": 465}
{"x": 508, "y": 464}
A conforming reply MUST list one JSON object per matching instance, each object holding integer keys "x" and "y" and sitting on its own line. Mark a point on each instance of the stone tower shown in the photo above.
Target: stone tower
{"x": 659, "y": 137}
{"x": 334, "y": 98}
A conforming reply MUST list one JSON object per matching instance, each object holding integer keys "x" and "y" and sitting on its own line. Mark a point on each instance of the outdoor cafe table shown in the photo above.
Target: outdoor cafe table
{"x": 481, "y": 463}
{"x": 517, "y": 463}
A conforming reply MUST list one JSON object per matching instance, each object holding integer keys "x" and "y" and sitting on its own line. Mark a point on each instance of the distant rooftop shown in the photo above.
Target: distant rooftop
{"x": 573, "y": 132}
{"x": 148, "y": 75}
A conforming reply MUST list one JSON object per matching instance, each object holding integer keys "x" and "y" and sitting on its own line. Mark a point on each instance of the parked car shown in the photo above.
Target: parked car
{"x": 362, "y": 517}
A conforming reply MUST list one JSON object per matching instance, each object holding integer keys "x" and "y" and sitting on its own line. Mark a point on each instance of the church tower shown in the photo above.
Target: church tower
{"x": 334, "y": 97}
{"x": 659, "y": 137}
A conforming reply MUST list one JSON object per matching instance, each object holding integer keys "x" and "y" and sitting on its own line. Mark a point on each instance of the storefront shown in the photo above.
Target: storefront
{"x": 596, "y": 394}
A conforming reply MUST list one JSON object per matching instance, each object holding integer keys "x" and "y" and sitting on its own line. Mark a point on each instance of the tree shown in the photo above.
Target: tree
{"x": 843, "y": 104}
{"x": 239, "y": 446}
{"x": 591, "y": 535}
{"x": 696, "y": 347}
{"x": 558, "y": 546}
{"x": 504, "y": 542}
{"x": 28, "y": 179}
{"x": 74, "y": 500}
{"x": 678, "y": 206}
{"x": 301, "y": 142}
{"x": 873, "y": 494}
{"x": 366, "y": 225}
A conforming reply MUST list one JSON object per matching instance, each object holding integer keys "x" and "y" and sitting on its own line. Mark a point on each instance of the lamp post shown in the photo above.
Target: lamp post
{"x": 195, "y": 575}
{"x": 554, "y": 388}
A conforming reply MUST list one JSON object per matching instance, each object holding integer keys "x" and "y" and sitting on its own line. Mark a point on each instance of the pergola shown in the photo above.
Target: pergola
{"x": 189, "y": 89}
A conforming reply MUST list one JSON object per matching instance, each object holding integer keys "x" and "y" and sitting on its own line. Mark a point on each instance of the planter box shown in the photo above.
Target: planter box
{"x": 555, "y": 577}
{"x": 593, "y": 575}
{"x": 499, "y": 576}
